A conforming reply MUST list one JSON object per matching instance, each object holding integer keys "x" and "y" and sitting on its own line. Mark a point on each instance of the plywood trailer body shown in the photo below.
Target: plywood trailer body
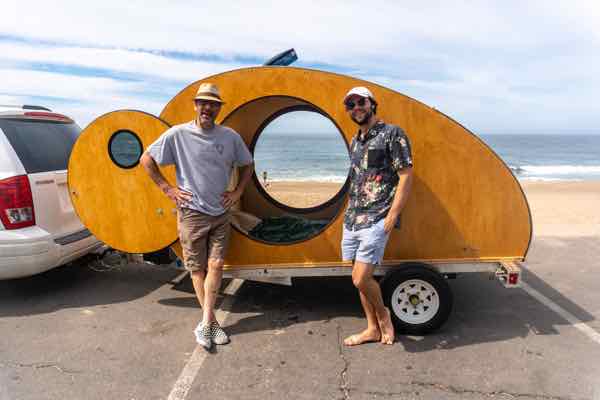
{"x": 466, "y": 208}
{"x": 465, "y": 204}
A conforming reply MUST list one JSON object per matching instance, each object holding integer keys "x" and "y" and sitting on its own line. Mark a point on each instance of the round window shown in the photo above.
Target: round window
{"x": 125, "y": 149}
{"x": 301, "y": 159}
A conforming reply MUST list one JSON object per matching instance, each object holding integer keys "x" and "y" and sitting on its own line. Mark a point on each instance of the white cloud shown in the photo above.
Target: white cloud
{"x": 115, "y": 60}
{"x": 39, "y": 83}
{"x": 489, "y": 64}
{"x": 325, "y": 31}
{"x": 9, "y": 100}
{"x": 82, "y": 98}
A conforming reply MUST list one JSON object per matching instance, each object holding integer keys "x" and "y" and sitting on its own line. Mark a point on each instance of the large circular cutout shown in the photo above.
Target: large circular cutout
{"x": 300, "y": 159}
{"x": 294, "y": 128}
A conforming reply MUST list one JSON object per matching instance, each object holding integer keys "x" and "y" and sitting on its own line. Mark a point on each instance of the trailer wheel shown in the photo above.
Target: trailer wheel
{"x": 419, "y": 298}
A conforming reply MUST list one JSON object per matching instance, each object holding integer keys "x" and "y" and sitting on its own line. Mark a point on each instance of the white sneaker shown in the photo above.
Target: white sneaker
{"x": 203, "y": 335}
{"x": 217, "y": 333}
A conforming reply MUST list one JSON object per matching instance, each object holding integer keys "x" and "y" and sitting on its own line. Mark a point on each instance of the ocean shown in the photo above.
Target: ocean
{"x": 324, "y": 157}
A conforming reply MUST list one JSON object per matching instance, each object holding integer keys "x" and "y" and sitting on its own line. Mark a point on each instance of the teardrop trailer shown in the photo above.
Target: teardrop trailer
{"x": 466, "y": 212}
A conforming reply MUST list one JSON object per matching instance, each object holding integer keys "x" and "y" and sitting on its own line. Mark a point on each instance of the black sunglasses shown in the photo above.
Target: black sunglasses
{"x": 201, "y": 102}
{"x": 350, "y": 104}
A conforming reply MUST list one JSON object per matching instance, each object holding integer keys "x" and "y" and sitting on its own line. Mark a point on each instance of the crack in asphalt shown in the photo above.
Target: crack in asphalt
{"x": 40, "y": 365}
{"x": 459, "y": 391}
{"x": 344, "y": 386}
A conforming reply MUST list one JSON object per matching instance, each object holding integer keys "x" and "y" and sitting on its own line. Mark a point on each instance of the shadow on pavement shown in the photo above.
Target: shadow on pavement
{"x": 484, "y": 311}
{"x": 276, "y": 306}
{"x": 77, "y": 285}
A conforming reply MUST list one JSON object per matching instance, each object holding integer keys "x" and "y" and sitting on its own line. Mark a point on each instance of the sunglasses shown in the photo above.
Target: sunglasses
{"x": 200, "y": 102}
{"x": 351, "y": 104}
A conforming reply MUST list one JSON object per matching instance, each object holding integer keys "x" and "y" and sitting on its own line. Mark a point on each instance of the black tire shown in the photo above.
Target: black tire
{"x": 423, "y": 317}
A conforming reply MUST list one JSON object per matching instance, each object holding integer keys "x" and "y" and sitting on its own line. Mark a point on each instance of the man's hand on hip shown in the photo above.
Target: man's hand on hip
{"x": 180, "y": 196}
{"x": 230, "y": 198}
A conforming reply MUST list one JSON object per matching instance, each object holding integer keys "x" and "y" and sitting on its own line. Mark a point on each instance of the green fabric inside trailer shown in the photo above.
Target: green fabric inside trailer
{"x": 286, "y": 229}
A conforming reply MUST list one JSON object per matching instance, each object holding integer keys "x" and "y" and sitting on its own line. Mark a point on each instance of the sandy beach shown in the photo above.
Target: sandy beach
{"x": 567, "y": 209}
{"x": 303, "y": 194}
{"x": 560, "y": 208}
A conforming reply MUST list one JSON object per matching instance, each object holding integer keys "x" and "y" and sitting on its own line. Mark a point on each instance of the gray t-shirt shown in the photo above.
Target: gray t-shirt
{"x": 203, "y": 160}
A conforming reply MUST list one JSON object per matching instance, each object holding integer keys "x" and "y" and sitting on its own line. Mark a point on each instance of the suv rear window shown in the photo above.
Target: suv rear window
{"x": 41, "y": 145}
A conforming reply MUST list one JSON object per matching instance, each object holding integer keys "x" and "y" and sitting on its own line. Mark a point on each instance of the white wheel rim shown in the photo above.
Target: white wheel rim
{"x": 415, "y": 301}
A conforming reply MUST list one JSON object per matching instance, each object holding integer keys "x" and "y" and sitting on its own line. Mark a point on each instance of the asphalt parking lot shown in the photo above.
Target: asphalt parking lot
{"x": 126, "y": 333}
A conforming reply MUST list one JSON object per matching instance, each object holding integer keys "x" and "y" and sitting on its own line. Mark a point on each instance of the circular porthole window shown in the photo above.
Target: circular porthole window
{"x": 125, "y": 149}
{"x": 301, "y": 169}
{"x": 301, "y": 160}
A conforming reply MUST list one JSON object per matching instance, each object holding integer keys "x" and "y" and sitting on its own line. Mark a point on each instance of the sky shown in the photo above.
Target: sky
{"x": 494, "y": 66}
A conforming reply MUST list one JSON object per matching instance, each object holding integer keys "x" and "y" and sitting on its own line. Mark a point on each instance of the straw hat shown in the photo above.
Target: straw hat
{"x": 208, "y": 91}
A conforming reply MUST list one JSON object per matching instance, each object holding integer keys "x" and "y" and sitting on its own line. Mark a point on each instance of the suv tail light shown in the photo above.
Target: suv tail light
{"x": 16, "y": 203}
{"x": 47, "y": 116}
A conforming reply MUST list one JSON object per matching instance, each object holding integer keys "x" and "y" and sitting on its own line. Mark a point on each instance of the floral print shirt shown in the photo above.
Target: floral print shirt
{"x": 374, "y": 164}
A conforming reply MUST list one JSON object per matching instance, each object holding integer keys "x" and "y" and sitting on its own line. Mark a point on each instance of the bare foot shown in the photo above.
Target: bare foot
{"x": 387, "y": 328}
{"x": 365, "y": 336}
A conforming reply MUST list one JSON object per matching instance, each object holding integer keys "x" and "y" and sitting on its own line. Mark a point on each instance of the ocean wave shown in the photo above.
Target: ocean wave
{"x": 314, "y": 178}
{"x": 556, "y": 169}
{"x": 542, "y": 179}
{"x": 523, "y": 172}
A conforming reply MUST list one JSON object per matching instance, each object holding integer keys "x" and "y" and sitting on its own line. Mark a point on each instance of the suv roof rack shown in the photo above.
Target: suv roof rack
{"x": 30, "y": 107}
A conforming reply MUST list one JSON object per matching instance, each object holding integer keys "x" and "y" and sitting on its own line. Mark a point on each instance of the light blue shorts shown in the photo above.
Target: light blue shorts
{"x": 365, "y": 245}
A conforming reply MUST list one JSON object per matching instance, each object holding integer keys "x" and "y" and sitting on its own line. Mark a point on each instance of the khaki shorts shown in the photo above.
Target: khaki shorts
{"x": 202, "y": 237}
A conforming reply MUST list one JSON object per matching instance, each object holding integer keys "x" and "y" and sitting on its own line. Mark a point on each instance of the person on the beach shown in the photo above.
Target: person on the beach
{"x": 265, "y": 179}
{"x": 204, "y": 155}
{"x": 380, "y": 180}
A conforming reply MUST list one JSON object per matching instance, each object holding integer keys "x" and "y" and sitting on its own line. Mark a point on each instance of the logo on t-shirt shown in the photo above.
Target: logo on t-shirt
{"x": 219, "y": 148}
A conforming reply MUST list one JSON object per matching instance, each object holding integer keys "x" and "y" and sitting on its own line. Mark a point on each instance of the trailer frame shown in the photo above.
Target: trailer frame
{"x": 507, "y": 272}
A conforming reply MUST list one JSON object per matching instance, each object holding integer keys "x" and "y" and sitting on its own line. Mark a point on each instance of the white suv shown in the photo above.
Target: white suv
{"x": 39, "y": 229}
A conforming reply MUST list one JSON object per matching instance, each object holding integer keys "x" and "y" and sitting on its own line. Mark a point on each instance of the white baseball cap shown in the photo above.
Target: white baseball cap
{"x": 359, "y": 91}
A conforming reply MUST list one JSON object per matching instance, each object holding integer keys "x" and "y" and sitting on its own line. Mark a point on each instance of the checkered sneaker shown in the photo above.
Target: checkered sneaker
{"x": 218, "y": 335}
{"x": 204, "y": 335}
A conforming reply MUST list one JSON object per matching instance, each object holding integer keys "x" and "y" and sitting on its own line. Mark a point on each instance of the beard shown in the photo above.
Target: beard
{"x": 364, "y": 119}
{"x": 207, "y": 117}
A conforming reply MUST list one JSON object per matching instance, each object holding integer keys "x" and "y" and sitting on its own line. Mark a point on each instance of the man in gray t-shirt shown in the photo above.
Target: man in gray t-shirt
{"x": 204, "y": 155}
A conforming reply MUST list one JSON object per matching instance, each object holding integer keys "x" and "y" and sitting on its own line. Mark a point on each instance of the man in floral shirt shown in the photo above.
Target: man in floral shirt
{"x": 380, "y": 180}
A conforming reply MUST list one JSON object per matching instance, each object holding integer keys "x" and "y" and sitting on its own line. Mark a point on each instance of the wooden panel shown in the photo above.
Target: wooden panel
{"x": 121, "y": 207}
{"x": 465, "y": 203}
